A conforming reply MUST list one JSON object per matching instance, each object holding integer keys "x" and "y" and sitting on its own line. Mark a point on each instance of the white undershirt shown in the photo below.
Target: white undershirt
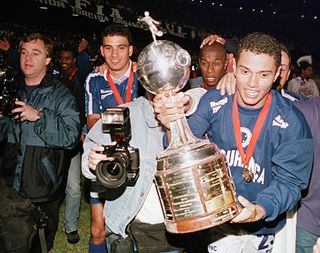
{"x": 151, "y": 211}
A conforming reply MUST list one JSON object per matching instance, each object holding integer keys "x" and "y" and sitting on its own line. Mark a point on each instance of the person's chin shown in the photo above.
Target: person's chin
{"x": 211, "y": 84}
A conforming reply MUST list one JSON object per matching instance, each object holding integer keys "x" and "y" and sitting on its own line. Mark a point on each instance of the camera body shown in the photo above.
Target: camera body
{"x": 8, "y": 90}
{"x": 124, "y": 169}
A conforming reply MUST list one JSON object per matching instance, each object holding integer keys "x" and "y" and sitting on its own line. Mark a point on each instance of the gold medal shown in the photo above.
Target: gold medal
{"x": 246, "y": 175}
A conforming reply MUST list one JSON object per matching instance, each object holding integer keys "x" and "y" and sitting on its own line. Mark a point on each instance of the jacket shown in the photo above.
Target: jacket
{"x": 35, "y": 152}
{"x": 147, "y": 136}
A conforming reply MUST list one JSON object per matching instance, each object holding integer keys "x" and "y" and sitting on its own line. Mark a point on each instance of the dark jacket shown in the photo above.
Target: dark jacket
{"x": 35, "y": 152}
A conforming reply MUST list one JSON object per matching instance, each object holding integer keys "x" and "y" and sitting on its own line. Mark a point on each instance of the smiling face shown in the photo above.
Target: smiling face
{"x": 212, "y": 62}
{"x": 116, "y": 51}
{"x": 67, "y": 60}
{"x": 255, "y": 74}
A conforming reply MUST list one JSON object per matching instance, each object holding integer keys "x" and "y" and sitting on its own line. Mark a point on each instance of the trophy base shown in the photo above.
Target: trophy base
{"x": 196, "y": 188}
{"x": 200, "y": 223}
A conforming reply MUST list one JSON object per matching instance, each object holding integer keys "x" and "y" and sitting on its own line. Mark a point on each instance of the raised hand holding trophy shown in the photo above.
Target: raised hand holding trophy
{"x": 193, "y": 178}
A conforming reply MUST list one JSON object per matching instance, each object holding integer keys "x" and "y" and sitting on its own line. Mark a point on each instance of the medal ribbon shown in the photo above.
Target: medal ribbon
{"x": 256, "y": 131}
{"x": 72, "y": 74}
{"x": 115, "y": 90}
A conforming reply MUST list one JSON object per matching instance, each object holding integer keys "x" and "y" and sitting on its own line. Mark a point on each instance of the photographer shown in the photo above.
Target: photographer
{"x": 42, "y": 124}
{"x": 138, "y": 205}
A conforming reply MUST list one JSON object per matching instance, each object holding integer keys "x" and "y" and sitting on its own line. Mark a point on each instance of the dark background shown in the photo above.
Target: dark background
{"x": 294, "y": 22}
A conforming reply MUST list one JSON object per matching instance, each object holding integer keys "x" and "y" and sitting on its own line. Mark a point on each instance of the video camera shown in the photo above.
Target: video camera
{"x": 124, "y": 169}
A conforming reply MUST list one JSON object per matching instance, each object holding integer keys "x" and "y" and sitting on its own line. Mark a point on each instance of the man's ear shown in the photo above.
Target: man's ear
{"x": 234, "y": 65}
{"x": 277, "y": 74}
{"x": 48, "y": 60}
{"x": 101, "y": 51}
{"x": 130, "y": 50}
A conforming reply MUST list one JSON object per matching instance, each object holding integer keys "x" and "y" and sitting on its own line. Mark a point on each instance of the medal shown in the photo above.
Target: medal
{"x": 246, "y": 175}
{"x": 245, "y": 157}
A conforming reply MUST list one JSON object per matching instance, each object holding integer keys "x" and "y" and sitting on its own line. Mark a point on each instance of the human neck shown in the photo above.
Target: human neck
{"x": 245, "y": 105}
{"x": 120, "y": 73}
{"x": 33, "y": 81}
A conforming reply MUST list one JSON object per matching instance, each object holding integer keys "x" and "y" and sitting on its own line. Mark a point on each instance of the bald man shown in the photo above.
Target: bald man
{"x": 213, "y": 64}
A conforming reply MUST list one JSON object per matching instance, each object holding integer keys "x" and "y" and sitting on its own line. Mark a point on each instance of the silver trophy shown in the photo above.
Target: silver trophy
{"x": 193, "y": 178}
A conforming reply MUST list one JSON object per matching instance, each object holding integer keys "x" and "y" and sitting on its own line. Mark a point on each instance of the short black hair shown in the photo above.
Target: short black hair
{"x": 69, "y": 48}
{"x": 117, "y": 29}
{"x": 214, "y": 46}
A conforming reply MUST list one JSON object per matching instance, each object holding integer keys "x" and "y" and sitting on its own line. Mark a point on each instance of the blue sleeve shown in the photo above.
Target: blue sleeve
{"x": 201, "y": 120}
{"x": 92, "y": 97}
{"x": 292, "y": 161}
{"x": 60, "y": 127}
{"x": 84, "y": 66}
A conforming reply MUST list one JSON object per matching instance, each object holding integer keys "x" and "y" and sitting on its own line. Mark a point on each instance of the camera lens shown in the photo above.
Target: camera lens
{"x": 113, "y": 169}
{"x": 111, "y": 174}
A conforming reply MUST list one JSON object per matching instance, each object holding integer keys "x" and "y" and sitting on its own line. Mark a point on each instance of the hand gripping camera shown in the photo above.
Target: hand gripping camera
{"x": 124, "y": 169}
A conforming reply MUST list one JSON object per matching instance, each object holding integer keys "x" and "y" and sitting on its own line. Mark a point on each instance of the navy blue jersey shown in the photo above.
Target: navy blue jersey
{"x": 99, "y": 94}
{"x": 282, "y": 158}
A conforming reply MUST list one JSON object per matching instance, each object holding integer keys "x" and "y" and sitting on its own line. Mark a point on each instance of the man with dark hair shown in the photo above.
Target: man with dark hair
{"x": 117, "y": 85}
{"x": 304, "y": 84}
{"x": 73, "y": 68}
{"x": 213, "y": 64}
{"x": 74, "y": 63}
{"x": 44, "y": 124}
{"x": 269, "y": 147}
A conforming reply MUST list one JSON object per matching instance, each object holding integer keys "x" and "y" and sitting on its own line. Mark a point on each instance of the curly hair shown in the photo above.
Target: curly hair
{"x": 261, "y": 43}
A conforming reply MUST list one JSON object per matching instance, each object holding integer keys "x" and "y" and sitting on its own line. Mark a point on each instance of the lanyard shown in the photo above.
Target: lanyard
{"x": 115, "y": 90}
{"x": 73, "y": 73}
{"x": 255, "y": 135}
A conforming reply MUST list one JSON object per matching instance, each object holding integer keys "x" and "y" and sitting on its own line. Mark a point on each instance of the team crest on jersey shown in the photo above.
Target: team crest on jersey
{"x": 278, "y": 121}
{"x": 217, "y": 105}
{"x": 105, "y": 93}
{"x": 246, "y": 136}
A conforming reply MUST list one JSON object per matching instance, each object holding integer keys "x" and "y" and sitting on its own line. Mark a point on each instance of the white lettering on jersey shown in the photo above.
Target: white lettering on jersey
{"x": 278, "y": 121}
{"x": 217, "y": 105}
{"x": 234, "y": 160}
{"x": 105, "y": 93}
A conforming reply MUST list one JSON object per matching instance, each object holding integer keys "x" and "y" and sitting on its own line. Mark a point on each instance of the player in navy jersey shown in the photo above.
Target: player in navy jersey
{"x": 117, "y": 85}
{"x": 268, "y": 182}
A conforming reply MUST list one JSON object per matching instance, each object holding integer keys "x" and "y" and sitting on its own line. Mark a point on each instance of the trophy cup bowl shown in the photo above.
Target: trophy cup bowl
{"x": 163, "y": 64}
{"x": 193, "y": 179}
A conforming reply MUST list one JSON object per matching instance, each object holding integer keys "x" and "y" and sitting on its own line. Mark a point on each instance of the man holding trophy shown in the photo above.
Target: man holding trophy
{"x": 266, "y": 140}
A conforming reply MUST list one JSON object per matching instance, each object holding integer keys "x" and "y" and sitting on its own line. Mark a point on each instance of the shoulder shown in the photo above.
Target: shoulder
{"x": 94, "y": 76}
{"x": 294, "y": 81}
{"x": 285, "y": 110}
{"x": 213, "y": 95}
{"x": 138, "y": 105}
{"x": 310, "y": 106}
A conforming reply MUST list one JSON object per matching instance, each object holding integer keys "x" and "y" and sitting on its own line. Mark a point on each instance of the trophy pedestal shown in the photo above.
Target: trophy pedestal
{"x": 196, "y": 189}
